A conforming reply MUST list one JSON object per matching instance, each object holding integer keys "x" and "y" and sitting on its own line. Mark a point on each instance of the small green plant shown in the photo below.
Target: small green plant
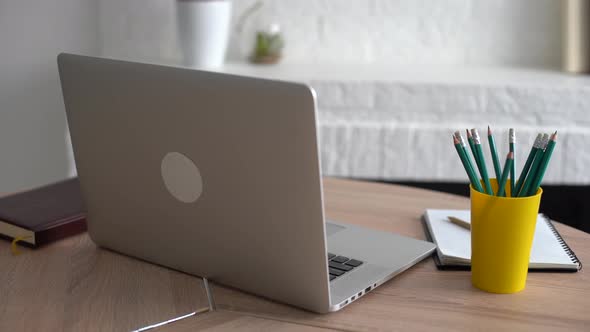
{"x": 268, "y": 47}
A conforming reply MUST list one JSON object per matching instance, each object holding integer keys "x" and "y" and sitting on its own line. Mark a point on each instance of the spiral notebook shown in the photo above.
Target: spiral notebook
{"x": 549, "y": 251}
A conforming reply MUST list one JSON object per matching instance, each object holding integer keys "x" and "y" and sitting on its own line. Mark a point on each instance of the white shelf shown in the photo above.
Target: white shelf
{"x": 504, "y": 76}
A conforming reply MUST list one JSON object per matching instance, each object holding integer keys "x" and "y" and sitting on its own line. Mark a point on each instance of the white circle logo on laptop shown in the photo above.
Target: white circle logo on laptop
{"x": 181, "y": 177}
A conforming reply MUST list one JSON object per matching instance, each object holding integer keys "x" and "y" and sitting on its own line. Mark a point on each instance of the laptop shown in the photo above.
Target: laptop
{"x": 218, "y": 176}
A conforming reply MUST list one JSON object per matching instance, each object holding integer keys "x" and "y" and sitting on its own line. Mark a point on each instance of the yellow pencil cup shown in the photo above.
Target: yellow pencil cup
{"x": 502, "y": 230}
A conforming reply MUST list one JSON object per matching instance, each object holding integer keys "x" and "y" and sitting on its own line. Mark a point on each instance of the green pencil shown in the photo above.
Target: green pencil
{"x": 527, "y": 165}
{"x": 494, "y": 154}
{"x": 504, "y": 177}
{"x": 471, "y": 166}
{"x": 543, "y": 167}
{"x": 482, "y": 162}
{"x": 511, "y": 141}
{"x": 528, "y": 182}
{"x": 462, "y": 151}
{"x": 472, "y": 146}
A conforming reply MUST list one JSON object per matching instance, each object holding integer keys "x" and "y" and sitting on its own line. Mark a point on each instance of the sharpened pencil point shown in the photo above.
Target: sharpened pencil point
{"x": 554, "y": 136}
{"x": 489, "y": 131}
{"x": 468, "y": 133}
{"x": 455, "y": 139}
{"x": 510, "y": 155}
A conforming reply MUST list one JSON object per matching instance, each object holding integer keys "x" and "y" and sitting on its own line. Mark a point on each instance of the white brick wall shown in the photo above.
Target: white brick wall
{"x": 373, "y": 126}
{"x": 479, "y": 32}
{"x": 396, "y": 77}
{"x": 497, "y": 32}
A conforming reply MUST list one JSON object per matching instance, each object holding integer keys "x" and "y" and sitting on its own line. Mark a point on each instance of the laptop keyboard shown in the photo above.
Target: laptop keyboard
{"x": 339, "y": 265}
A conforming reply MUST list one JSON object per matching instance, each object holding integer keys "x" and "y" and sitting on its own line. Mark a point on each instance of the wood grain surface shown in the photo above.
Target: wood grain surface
{"x": 72, "y": 285}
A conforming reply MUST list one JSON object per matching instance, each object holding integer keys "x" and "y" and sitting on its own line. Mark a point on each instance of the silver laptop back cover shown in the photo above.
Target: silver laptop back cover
{"x": 211, "y": 174}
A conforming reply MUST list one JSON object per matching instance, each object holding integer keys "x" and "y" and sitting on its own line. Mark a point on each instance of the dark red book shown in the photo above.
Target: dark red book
{"x": 43, "y": 215}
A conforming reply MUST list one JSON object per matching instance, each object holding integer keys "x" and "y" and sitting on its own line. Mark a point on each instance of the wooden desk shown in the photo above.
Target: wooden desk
{"x": 74, "y": 286}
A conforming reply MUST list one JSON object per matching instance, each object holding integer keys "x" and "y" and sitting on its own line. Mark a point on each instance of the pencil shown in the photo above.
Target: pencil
{"x": 462, "y": 151}
{"x": 544, "y": 164}
{"x": 534, "y": 167}
{"x": 511, "y": 142}
{"x": 482, "y": 162}
{"x": 472, "y": 146}
{"x": 471, "y": 166}
{"x": 459, "y": 222}
{"x": 494, "y": 154}
{"x": 502, "y": 181}
{"x": 527, "y": 165}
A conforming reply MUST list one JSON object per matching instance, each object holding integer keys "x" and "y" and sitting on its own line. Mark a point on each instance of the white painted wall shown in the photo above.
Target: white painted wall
{"x": 399, "y": 32}
{"x": 415, "y": 32}
{"x": 32, "y": 120}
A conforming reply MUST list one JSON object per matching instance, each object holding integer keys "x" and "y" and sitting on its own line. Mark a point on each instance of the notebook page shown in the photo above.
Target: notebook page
{"x": 546, "y": 247}
{"x": 451, "y": 240}
{"x": 455, "y": 241}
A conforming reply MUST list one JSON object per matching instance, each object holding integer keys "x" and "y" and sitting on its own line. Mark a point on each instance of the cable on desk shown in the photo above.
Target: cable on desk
{"x": 211, "y": 307}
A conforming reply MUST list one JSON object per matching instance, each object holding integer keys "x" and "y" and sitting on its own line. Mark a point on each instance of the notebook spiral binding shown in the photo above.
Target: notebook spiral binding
{"x": 563, "y": 244}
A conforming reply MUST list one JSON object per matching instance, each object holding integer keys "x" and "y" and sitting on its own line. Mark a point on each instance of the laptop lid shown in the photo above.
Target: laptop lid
{"x": 212, "y": 174}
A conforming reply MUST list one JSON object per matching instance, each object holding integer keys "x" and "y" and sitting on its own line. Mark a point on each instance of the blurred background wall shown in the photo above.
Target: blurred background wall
{"x": 33, "y": 148}
{"x": 480, "y": 32}
{"x": 32, "y": 121}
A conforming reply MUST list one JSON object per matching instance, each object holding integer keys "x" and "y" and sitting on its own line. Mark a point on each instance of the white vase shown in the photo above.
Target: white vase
{"x": 203, "y": 31}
